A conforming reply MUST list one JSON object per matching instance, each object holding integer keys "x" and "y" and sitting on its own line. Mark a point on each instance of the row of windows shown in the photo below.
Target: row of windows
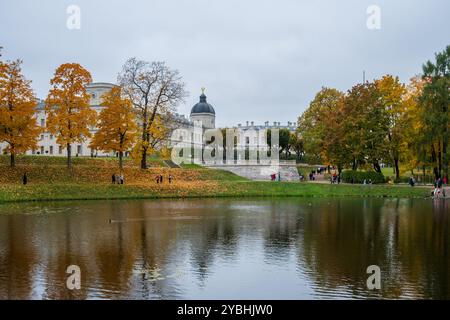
{"x": 42, "y": 137}
{"x": 50, "y": 150}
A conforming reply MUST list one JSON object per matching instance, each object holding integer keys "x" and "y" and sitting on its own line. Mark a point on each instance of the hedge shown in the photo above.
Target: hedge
{"x": 359, "y": 176}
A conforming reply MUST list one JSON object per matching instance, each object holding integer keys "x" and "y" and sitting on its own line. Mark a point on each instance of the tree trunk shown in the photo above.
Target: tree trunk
{"x": 444, "y": 155}
{"x": 377, "y": 167}
{"x": 144, "y": 159}
{"x": 434, "y": 161}
{"x": 69, "y": 155}
{"x": 144, "y": 139}
{"x": 397, "y": 171}
{"x": 439, "y": 160}
{"x": 121, "y": 160}
{"x": 423, "y": 170}
{"x": 144, "y": 148}
{"x": 13, "y": 160}
{"x": 354, "y": 165}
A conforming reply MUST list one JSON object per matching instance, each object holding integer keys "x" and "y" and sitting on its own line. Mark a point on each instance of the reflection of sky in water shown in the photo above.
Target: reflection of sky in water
{"x": 225, "y": 249}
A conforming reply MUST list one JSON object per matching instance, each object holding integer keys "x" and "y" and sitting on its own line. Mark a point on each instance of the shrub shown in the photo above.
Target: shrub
{"x": 359, "y": 176}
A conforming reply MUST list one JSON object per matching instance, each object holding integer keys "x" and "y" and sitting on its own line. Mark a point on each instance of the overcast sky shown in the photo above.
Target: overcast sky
{"x": 260, "y": 60}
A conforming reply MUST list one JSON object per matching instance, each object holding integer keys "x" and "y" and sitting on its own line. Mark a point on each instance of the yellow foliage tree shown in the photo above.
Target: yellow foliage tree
{"x": 157, "y": 136}
{"x": 117, "y": 126}
{"x": 392, "y": 92}
{"x": 18, "y": 125}
{"x": 67, "y": 105}
{"x": 416, "y": 143}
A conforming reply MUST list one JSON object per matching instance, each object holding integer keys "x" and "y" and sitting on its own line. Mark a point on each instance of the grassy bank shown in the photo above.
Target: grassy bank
{"x": 91, "y": 179}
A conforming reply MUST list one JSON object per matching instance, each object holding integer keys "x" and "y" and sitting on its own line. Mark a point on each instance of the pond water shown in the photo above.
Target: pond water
{"x": 226, "y": 249}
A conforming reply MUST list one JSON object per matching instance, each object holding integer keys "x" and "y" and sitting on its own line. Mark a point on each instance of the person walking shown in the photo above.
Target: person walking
{"x": 170, "y": 178}
{"x": 113, "y": 178}
{"x": 161, "y": 178}
{"x": 25, "y": 178}
{"x": 121, "y": 178}
{"x": 157, "y": 178}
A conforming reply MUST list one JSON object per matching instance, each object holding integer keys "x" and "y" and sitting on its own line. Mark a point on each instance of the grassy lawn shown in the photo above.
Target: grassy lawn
{"x": 49, "y": 179}
{"x": 205, "y": 188}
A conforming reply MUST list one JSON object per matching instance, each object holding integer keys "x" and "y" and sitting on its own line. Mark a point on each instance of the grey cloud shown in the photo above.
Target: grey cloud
{"x": 259, "y": 60}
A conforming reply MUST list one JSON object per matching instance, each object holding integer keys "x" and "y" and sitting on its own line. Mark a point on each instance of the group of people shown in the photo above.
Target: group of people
{"x": 117, "y": 178}
{"x": 160, "y": 178}
{"x": 275, "y": 177}
{"x": 335, "y": 178}
{"x": 438, "y": 191}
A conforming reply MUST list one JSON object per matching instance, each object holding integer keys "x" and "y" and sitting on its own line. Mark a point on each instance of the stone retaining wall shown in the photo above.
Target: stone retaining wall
{"x": 287, "y": 172}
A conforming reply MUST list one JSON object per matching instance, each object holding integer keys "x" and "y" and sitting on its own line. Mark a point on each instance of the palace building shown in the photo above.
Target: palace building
{"x": 202, "y": 112}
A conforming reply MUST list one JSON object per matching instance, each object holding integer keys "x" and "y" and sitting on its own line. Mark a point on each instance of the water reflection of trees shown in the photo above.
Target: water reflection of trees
{"x": 410, "y": 245}
{"x": 137, "y": 254}
{"x": 140, "y": 253}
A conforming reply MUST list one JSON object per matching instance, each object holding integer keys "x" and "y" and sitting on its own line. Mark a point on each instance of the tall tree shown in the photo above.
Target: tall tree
{"x": 392, "y": 93}
{"x": 284, "y": 137}
{"x": 67, "y": 105}
{"x": 366, "y": 125}
{"x": 436, "y": 101}
{"x": 154, "y": 90}
{"x": 18, "y": 125}
{"x": 116, "y": 125}
{"x": 296, "y": 142}
{"x": 415, "y": 141}
{"x": 318, "y": 127}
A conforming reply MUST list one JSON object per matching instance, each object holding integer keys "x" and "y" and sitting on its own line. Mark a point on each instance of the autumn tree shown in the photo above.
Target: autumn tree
{"x": 116, "y": 125}
{"x": 318, "y": 127}
{"x": 415, "y": 141}
{"x": 18, "y": 125}
{"x": 69, "y": 113}
{"x": 366, "y": 125}
{"x": 154, "y": 90}
{"x": 392, "y": 92}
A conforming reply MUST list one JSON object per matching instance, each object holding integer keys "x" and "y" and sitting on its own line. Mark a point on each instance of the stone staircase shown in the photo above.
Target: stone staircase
{"x": 171, "y": 164}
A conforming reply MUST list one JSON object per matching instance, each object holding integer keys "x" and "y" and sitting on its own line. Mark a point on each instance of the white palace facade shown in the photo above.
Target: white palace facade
{"x": 201, "y": 112}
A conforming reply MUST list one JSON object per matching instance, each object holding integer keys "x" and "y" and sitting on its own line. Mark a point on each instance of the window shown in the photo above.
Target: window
{"x": 51, "y": 137}
{"x": 42, "y": 122}
{"x": 42, "y": 149}
{"x": 51, "y": 149}
{"x": 42, "y": 137}
{"x": 59, "y": 149}
{"x": 79, "y": 150}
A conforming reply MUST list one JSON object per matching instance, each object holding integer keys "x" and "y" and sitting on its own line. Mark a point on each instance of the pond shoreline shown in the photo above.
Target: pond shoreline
{"x": 205, "y": 189}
